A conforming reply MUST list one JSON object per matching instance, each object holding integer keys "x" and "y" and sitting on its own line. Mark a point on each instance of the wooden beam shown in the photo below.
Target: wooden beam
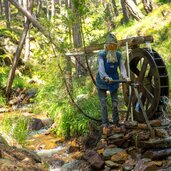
{"x": 96, "y": 47}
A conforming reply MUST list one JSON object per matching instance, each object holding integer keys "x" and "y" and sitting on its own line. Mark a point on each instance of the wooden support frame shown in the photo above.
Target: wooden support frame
{"x": 132, "y": 41}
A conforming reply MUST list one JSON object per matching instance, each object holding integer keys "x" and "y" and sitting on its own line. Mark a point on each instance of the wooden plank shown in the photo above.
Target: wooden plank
{"x": 96, "y": 47}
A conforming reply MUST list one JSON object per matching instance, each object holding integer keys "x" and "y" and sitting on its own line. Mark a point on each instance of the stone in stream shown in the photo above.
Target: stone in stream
{"x": 129, "y": 165}
{"x": 155, "y": 143}
{"x": 72, "y": 149}
{"x": 161, "y": 133}
{"x": 111, "y": 164}
{"x": 120, "y": 157}
{"x": 109, "y": 152}
{"x": 3, "y": 142}
{"x": 12, "y": 158}
{"x": 76, "y": 165}
{"x": 94, "y": 159}
{"x": 157, "y": 154}
{"x": 36, "y": 124}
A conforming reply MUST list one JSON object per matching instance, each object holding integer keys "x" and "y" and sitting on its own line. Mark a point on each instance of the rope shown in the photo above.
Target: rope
{"x": 70, "y": 94}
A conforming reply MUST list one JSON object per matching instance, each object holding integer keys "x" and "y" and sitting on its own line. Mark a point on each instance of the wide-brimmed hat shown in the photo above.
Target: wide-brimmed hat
{"x": 111, "y": 38}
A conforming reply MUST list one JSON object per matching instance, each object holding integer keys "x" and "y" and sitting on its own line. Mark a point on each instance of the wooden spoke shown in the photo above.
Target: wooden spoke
{"x": 142, "y": 71}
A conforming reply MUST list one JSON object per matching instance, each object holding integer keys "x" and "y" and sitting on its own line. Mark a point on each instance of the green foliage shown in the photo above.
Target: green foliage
{"x": 163, "y": 1}
{"x": 71, "y": 123}
{"x": 16, "y": 127}
{"x": 52, "y": 97}
{"x": 19, "y": 82}
{"x": 8, "y": 33}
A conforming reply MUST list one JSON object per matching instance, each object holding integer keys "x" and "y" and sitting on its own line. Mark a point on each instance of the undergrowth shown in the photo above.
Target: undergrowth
{"x": 16, "y": 127}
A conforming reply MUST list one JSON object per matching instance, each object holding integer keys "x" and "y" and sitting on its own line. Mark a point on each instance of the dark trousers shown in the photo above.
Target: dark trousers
{"x": 103, "y": 101}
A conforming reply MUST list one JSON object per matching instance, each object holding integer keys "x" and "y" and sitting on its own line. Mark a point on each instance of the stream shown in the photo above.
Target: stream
{"x": 51, "y": 149}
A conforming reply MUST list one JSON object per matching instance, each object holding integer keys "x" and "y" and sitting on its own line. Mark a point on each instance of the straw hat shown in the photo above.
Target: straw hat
{"x": 111, "y": 38}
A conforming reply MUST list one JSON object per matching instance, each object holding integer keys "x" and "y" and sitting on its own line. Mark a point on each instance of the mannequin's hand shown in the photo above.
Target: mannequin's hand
{"x": 108, "y": 80}
{"x": 127, "y": 79}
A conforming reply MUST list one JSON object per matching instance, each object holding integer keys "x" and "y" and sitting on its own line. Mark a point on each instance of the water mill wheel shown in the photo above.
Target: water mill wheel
{"x": 148, "y": 71}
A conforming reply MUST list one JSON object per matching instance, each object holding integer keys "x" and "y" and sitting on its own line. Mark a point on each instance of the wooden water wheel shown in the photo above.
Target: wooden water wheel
{"x": 149, "y": 73}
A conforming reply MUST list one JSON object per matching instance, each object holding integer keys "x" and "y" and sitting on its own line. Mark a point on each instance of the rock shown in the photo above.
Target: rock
{"x": 3, "y": 142}
{"x": 101, "y": 144}
{"x": 109, "y": 152}
{"x": 107, "y": 168}
{"x": 169, "y": 158}
{"x": 23, "y": 153}
{"x": 36, "y": 124}
{"x": 116, "y": 136}
{"x": 166, "y": 169}
{"x": 14, "y": 101}
{"x": 129, "y": 165}
{"x": 111, "y": 164}
{"x": 155, "y": 123}
{"x": 150, "y": 166}
{"x": 157, "y": 154}
{"x": 131, "y": 124}
{"x": 90, "y": 141}
{"x": 94, "y": 159}
{"x": 161, "y": 133}
{"x": 72, "y": 149}
{"x": 3, "y": 110}
{"x": 143, "y": 135}
{"x": 120, "y": 157}
{"x": 31, "y": 93}
{"x": 155, "y": 143}
{"x": 47, "y": 122}
{"x": 12, "y": 158}
{"x": 55, "y": 162}
{"x": 133, "y": 151}
{"x": 139, "y": 166}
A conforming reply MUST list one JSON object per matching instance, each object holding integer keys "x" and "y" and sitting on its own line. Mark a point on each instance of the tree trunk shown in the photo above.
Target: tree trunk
{"x": 20, "y": 2}
{"x": 52, "y": 9}
{"x": 108, "y": 18}
{"x": 7, "y": 13}
{"x": 148, "y": 6}
{"x": 77, "y": 40}
{"x": 59, "y": 5}
{"x": 39, "y": 7}
{"x": 47, "y": 10}
{"x": 1, "y": 7}
{"x": 133, "y": 9}
{"x": 15, "y": 61}
{"x": 115, "y": 8}
{"x": 68, "y": 65}
{"x": 125, "y": 11}
{"x": 31, "y": 18}
{"x": 28, "y": 5}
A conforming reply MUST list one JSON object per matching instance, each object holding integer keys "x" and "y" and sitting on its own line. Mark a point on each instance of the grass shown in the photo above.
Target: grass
{"x": 156, "y": 25}
{"x": 16, "y": 127}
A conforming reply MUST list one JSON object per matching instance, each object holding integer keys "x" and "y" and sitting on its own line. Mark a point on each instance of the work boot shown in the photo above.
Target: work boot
{"x": 106, "y": 132}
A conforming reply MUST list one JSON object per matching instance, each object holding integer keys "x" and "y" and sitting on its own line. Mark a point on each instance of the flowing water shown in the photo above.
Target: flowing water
{"x": 51, "y": 149}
